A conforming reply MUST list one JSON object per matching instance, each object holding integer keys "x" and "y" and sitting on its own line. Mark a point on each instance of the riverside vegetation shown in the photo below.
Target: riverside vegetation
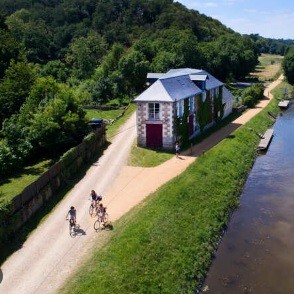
{"x": 165, "y": 245}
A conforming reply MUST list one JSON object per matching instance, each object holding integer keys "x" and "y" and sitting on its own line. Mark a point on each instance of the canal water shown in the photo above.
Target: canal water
{"x": 256, "y": 254}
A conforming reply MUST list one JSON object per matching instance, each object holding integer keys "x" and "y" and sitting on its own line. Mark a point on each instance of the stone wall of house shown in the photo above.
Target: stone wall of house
{"x": 142, "y": 116}
{"x": 168, "y": 125}
{"x": 167, "y": 114}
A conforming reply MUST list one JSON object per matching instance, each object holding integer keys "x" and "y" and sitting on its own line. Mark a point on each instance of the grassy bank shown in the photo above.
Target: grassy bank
{"x": 165, "y": 245}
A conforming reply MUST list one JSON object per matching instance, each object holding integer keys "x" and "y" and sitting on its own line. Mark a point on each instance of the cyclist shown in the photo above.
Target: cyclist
{"x": 102, "y": 212}
{"x": 95, "y": 198}
{"x": 72, "y": 215}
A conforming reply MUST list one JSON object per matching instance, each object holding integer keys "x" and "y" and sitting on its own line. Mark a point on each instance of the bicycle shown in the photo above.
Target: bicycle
{"x": 72, "y": 227}
{"x": 101, "y": 221}
{"x": 93, "y": 208}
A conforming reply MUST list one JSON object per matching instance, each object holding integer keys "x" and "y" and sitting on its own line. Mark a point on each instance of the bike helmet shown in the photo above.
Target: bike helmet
{"x": 72, "y": 207}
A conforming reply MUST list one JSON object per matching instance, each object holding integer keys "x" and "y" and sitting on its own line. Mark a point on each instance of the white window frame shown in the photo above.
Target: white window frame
{"x": 153, "y": 111}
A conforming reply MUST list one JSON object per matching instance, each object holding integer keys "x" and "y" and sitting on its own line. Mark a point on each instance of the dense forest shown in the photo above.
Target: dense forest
{"x": 58, "y": 55}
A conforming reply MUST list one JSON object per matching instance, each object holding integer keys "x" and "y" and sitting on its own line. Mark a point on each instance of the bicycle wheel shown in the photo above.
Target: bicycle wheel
{"x": 91, "y": 210}
{"x": 97, "y": 225}
{"x": 72, "y": 231}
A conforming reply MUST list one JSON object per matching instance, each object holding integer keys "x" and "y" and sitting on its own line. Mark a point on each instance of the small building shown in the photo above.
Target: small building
{"x": 181, "y": 102}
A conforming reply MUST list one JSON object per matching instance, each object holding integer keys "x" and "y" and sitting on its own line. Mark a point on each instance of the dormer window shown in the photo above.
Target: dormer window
{"x": 153, "y": 111}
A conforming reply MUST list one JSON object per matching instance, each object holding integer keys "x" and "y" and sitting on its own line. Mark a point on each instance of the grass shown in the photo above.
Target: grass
{"x": 14, "y": 185}
{"x": 269, "y": 67}
{"x": 147, "y": 157}
{"x": 105, "y": 114}
{"x": 113, "y": 128}
{"x": 166, "y": 244}
{"x": 279, "y": 92}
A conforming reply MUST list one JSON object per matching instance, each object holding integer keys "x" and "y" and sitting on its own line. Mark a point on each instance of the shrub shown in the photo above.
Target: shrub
{"x": 251, "y": 95}
{"x": 7, "y": 159}
{"x": 248, "y": 101}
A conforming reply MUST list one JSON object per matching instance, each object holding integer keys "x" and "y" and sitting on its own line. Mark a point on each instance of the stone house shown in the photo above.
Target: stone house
{"x": 175, "y": 99}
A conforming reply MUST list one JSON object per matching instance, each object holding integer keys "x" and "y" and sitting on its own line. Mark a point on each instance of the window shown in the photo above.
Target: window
{"x": 153, "y": 111}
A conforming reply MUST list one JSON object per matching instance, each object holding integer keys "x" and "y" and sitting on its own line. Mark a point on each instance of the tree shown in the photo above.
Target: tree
{"x": 15, "y": 87}
{"x": 57, "y": 69}
{"x": 164, "y": 61}
{"x": 288, "y": 66}
{"x": 134, "y": 68}
{"x": 61, "y": 121}
{"x": 34, "y": 35}
{"x": 85, "y": 54}
{"x": 9, "y": 50}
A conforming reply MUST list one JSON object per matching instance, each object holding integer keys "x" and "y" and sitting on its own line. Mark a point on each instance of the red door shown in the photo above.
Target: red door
{"x": 154, "y": 135}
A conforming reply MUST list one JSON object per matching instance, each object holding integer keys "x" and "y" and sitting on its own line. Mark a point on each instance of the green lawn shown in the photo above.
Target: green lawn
{"x": 165, "y": 244}
{"x": 112, "y": 129}
{"x": 147, "y": 157}
{"x": 14, "y": 185}
{"x": 105, "y": 114}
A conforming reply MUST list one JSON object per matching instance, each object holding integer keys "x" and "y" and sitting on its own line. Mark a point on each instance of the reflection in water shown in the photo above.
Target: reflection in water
{"x": 256, "y": 254}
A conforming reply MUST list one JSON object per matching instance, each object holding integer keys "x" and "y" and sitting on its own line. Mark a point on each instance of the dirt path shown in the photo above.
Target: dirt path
{"x": 49, "y": 255}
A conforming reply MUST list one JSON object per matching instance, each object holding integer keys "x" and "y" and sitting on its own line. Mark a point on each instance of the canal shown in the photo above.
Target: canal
{"x": 256, "y": 254}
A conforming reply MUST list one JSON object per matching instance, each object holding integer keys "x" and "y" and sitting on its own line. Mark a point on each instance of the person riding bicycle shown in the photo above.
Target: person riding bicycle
{"x": 72, "y": 215}
{"x": 101, "y": 212}
{"x": 95, "y": 198}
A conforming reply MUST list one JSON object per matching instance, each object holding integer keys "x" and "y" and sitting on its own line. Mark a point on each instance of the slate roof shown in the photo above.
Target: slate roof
{"x": 169, "y": 89}
{"x": 211, "y": 82}
{"x": 176, "y": 84}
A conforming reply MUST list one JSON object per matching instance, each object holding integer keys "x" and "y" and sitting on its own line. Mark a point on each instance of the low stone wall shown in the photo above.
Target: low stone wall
{"x": 36, "y": 194}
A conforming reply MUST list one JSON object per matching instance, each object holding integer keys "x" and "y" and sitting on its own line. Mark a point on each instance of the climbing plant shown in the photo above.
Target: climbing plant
{"x": 203, "y": 113}
{"x": 218, "y": 106}
{"x": 182, "y": 125}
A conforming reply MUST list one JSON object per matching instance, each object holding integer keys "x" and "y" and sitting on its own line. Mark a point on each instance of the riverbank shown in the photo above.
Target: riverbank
{"x": 253, "y": 256}
{"x": 167, "y": 242}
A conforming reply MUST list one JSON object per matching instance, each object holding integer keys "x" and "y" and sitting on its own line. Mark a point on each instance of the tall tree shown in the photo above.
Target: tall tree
{"x": 15, "y": 87}
{"x": 86, "y": 53}
{"x": 288, "y": 66}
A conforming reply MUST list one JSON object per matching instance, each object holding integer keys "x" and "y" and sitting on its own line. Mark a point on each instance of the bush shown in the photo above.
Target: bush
{"x": 251, "y": 95}
{"x": 68, "y": 157}
{"x": 248, "y": 101}
{"x": 7, "y": 159}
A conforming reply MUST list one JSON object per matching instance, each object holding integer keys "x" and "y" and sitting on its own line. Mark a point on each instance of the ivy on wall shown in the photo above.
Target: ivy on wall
{"x": 203, "y": 113}
{"x": 204, "y": 116}
{"x": 218, "y": 105}
{"x": 182, "y": 125}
